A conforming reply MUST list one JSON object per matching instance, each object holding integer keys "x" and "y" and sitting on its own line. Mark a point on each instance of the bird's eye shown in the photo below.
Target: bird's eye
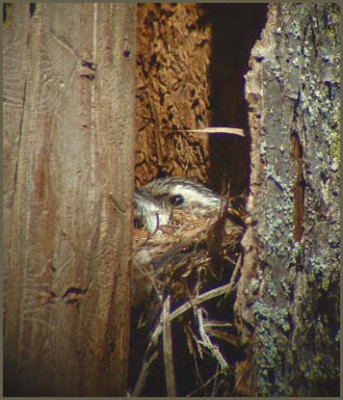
{"x": 177, "y": 200}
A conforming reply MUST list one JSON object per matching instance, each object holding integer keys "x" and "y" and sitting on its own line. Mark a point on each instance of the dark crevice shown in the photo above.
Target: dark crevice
{"x": 299, "y": 187}
{"x": 235, "y": 30}
{"x": 20, "y": 136}
{"x": 74, "y": 291}
{"x": 32, "y": 8}
{"x": 5, "y": 10}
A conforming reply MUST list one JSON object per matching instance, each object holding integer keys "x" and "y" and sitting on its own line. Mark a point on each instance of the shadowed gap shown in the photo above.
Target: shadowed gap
{"x": 235, "y": 29}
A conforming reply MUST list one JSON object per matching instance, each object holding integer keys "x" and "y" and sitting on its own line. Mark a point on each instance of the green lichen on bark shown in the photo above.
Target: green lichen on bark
{"x": 293, "y": 93}
{"x": 335, "y": 150}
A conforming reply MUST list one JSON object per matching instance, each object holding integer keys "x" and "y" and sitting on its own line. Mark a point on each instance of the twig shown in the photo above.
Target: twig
{"x": 143, "y": 374}
{"x": 168, "y": 349}
{"x": 219, "y": 291}
{"x": 211, "y": 130}
{"x": 214, "y": 377}
{"x": 169, "y": 317}
{"x": 206, "y": 341}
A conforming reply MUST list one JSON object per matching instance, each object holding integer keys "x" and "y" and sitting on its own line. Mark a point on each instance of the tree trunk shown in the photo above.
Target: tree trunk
{"x": 288, "y": 299}
{"x": 68, "y": 183}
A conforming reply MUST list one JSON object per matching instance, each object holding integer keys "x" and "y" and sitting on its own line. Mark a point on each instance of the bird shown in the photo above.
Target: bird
{"x": 149, "y": 212}
{"x": 156, "y": 200}
{"x": 191, "y": 240}
{"x": 156, "y": 204}
{"x": 177, "y": 213}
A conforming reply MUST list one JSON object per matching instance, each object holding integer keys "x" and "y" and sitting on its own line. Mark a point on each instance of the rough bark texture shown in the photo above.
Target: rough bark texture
{"x": 288, "y": 299}
{"x": 173, "y": 55}
{"x": 68, "y": 155}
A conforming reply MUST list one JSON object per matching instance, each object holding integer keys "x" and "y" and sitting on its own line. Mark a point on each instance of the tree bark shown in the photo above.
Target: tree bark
{"x": 288, "y": 298}
{"x": 68, "y": 184}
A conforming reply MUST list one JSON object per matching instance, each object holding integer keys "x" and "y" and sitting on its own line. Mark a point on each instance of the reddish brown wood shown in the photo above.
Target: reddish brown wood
{"x": 173, "y": 56}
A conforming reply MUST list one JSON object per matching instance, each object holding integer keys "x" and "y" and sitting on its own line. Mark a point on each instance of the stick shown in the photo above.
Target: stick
{"x": 211, "y": 130}
{"x": 168, "y": 349}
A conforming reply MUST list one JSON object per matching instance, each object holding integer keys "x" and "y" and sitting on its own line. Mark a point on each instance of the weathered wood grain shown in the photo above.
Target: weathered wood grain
{"x": 68, "y": 149}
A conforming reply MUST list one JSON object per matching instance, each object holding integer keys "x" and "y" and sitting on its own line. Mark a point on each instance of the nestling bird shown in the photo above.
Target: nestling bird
{"x": 156, "y": 200}
{"x": 155, "y": 205}
{"x": 192, "y": 245}
{"x": 148, "y": 211}
{"x": 181, "y": 212}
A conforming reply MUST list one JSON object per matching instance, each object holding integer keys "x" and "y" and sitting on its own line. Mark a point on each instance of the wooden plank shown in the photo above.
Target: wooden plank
{"x": 68, "y": 202}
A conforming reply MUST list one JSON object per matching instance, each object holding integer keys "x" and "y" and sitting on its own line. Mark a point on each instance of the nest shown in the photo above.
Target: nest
{"x": 183, "y": 337}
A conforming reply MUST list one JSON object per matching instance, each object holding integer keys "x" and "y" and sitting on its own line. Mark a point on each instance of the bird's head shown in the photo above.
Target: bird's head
{"x": 183, "y": 194}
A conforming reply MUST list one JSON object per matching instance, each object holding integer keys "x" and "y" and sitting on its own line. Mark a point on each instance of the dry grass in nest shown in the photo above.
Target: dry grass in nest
{"x": 182, "y": 279}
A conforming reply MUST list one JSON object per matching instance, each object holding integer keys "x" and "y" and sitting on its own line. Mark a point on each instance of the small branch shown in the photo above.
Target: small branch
{"x": 197, "y": 390}
{"x": 168, "y": 318}
{"x": 211, "y": 130}
{"x": 219, "y": 291}
{"x": 168, "y": 349}
{"x": 206, "y": 341}
{"x": 143, "y": 374}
